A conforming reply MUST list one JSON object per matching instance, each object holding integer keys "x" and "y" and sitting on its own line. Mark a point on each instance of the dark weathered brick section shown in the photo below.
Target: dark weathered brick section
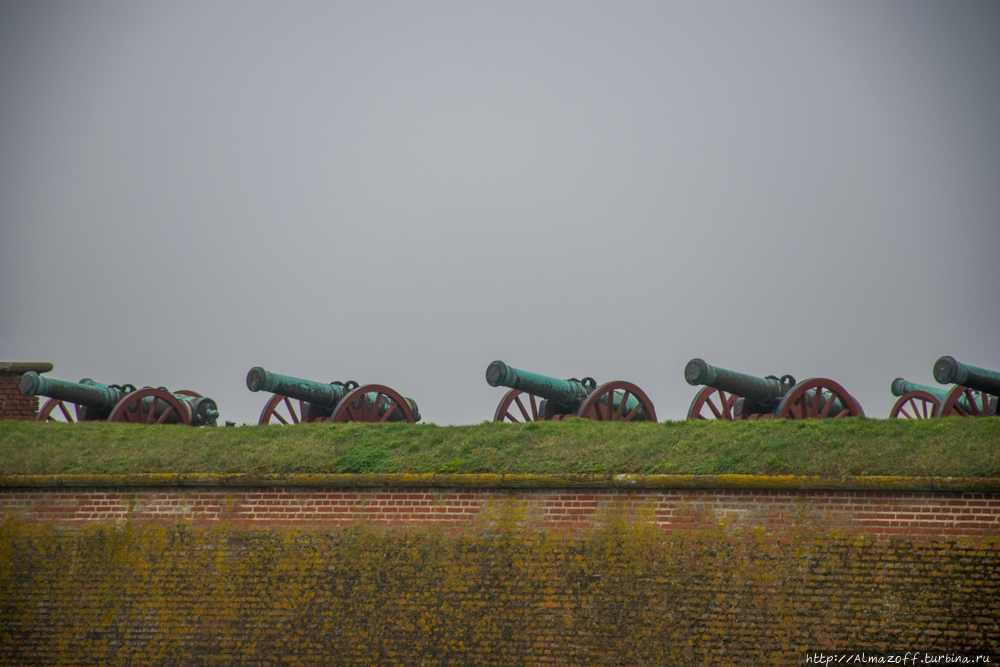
{"x": 438, "y": 576}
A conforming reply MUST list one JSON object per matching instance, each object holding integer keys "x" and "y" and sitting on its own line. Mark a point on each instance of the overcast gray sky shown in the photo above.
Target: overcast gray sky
{"x": 402, "y": 192}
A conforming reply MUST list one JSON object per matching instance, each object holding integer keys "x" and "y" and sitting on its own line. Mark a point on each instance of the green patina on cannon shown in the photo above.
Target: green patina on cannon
{"x": 94, "y": 401}
{"x": 975, "y": 392}
{"x": 747, "y": 397}
{"x": 334, "y": 401}
{"x": 551, "y": 399}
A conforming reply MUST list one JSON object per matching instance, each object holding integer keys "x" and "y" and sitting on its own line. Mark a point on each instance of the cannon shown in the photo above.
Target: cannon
{"x": 747, "y": 397}
{"x": 916, "y": 401}
{"x": 924, "y": 402}
{"x": 94, "y": 401}
{"x": 975, "y": 392}
{"x": 335, "y": 401}
{"x": 555, "y": 400}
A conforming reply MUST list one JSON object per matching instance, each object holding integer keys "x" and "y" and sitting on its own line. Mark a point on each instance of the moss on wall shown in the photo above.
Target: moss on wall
{"x": 617, "y": 595}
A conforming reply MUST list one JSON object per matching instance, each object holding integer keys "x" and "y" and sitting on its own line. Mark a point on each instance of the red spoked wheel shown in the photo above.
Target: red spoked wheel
{"x": 965, "y": 402}
{"x": 355, "y": 407}
{"x": 703, "y": 399}
{"x": 833, "y": 401}
{"x": 54, "y": 410}
{"x": 188, "y": 392}
{"x": 282, "y": 410}
{"x": 151, "y": 406}
{"x": 916, "y": 405}
{"x": 609, "y": 402}
{"x": 519, "y": 398}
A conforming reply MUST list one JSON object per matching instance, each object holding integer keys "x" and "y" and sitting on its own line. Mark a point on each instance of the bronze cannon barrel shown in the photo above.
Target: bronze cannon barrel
{"x": 765, "y": 392}
{"x": 949, "y": 371}
{"x": 900, "y": 386}
{"x": 326, "y": 396}
{"x": 86, "y": 392}
{"x": 564, "y": 392}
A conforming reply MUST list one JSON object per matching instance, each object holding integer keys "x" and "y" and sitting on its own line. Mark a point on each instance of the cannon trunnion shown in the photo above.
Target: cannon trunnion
{"x": 747, "y": 397}
{"x": 94, "y": 401}
{"x": 334, "y": 402}
{"x": 534, "y": 397}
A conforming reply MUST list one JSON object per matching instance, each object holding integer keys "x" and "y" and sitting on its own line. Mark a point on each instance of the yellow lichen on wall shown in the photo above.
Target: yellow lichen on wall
{"x": 619, "y": 594}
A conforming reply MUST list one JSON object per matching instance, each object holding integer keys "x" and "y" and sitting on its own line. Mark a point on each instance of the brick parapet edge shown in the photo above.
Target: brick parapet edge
{"x": 874, "y": 483}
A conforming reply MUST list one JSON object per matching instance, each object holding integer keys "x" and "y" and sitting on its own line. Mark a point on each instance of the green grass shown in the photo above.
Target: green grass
{"x": 966, "y": 447}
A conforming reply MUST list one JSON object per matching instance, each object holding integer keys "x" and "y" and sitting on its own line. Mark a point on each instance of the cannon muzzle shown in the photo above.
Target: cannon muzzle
{"x": 765, "y": 392}
{"x": 564, "y": 392}
{"x": 95, "y": 396}
{"x": 326, "y": 396}
{"x": 949, "y": 371}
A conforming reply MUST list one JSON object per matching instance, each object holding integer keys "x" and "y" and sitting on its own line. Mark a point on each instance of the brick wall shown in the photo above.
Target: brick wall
{"x": 14, "y": 404}
{"x": 441, "y": 576}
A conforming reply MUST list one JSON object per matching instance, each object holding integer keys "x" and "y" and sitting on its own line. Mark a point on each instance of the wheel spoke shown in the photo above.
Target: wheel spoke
{"x": 902, "y": 410}
{"x": 132, "y": 417}
{"x": 972, "y": 403}
{"x": 727, "y": 406}
{"x": 520, "y": 406}
{"x": 534, "y": 407}
{"x": 826, "y": 408}
{"x": 632, "y": 414}
{"x": 609, "y": 412}
{"x": 62, "y": 408}
{"x": 152, "y": 409}
{"x": 388, "y": 411}
{"x": 711, "y": 406}
{"x": 621, "y": 406}
{"x": 166, "y": 412}
{"x": 291, "y": 410}
{"x": 374, "y": 411}
{"x": 511, "y": 417}
{"x": 275, "y": 413}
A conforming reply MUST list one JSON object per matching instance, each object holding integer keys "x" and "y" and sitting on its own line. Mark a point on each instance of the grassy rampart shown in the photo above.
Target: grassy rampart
{"x": 966, "y": 447}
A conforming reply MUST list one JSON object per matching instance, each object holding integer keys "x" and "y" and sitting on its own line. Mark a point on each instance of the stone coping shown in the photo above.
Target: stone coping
{"x": 21, "y": 367}
{"x": 882, "y": 483}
